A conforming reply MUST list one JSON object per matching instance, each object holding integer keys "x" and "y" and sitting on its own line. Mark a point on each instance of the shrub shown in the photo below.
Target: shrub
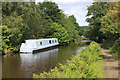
{"x": 116, "y": 49}
{"x": 88, "y": 64}
{"x": 107, "y": 43}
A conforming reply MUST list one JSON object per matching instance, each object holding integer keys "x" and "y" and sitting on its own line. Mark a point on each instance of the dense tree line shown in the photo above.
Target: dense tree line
{"x": 104, "y": 26}
{"x": 27, "y": 20}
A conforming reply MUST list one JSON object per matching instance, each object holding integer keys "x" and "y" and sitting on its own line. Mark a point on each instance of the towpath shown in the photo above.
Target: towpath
{"x": 110, "y": 65}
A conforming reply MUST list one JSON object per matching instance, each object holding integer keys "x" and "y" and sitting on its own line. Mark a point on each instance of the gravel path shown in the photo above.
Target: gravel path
{"x": 111, "y": 65}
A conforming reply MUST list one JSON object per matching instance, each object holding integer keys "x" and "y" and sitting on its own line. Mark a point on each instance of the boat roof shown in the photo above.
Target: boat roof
{"x": 41, "y": 39}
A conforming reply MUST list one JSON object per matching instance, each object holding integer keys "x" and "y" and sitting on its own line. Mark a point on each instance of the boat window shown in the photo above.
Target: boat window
{"x": 40, "y": 43}
{"x": 55, "y": 41}
{"x": 23, "y": 41}
{"x": 52, "y": 41}
{"x": 49, "y": 41}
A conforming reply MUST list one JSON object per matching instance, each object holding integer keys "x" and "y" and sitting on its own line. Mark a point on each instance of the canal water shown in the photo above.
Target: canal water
{"x": 25, "y": 65}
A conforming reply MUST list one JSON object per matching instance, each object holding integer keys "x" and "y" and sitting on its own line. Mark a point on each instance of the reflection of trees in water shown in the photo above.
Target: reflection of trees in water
{"x": 38, "y": 62}
{"x": 24, "y": 65}
{"x": 11, "y": 66}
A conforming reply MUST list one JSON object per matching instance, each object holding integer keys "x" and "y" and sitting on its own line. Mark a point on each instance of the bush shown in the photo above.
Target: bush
{"x": 88, "y": 64}
{"x": 116, "y": 49}
{"x": 107, "y": 43}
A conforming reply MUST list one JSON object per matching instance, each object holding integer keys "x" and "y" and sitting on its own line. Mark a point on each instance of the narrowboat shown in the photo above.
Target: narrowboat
{"x": 37, "y": 44}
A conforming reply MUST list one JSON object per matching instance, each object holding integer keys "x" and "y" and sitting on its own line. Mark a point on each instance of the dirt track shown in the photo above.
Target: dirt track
{"x": 111, "y": 65}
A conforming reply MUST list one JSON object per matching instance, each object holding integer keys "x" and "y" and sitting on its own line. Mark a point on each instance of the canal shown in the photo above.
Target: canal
{"x": 24, "y": 65}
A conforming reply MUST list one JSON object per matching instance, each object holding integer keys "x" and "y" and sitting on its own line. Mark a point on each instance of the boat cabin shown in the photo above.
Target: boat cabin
{"x": 35, "y": 44}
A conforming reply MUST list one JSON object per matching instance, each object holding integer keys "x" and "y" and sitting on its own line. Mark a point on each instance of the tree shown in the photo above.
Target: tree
{"x": 59, "y": 32}
{"x": 70, "y": 27}
{"x": 13, "y": 33}
{"x": 110, "y": 25}
{"x": 50, "y": 9}
{"x": 77, "y": 27}
{"x": 27, "y": 20}
{"x": 97, "y": 10}
{"x": 34, "y": 20}
{"x": 104, "y": 24}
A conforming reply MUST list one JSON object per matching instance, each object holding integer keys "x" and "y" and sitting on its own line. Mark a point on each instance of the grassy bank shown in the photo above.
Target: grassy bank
{"x": 88, "y": 64}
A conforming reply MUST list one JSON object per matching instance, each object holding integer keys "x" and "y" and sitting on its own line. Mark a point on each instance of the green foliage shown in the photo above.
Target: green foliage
{"x": 110, "y": 22}
{"x": 27, "y": 20}
{"x": 73, "y": 29}
{"x": 88, "y": 64}
{"x": 77, "y": 27}
{"x": 116, "y": 49}
{"x": 13, "y": 33}
{"x": 57, "y": 31}
{"x": 104, "y": 24}
{"x": 50, "y": 9}
{"x": 34, "y": 20}
{"x": 4, "y": 38}
{"x": 97, "y": 10}
{"x": 107, "y": 43}
{"x": 0, "y": 39}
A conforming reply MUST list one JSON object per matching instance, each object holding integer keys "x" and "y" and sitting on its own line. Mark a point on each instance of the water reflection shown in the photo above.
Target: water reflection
{"x": 41, "y": 56}
{"x": 85, "y": 40}
{"x": 79, "y": 50}
{"x": 24, "y": 65}
{"x": 42, "y": 61}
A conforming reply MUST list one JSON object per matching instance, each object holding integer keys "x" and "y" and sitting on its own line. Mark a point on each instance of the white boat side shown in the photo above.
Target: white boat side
{"x": 36, "y": 44}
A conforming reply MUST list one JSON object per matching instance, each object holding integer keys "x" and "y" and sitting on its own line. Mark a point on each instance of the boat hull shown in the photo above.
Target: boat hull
{"x": 36, "y": 49}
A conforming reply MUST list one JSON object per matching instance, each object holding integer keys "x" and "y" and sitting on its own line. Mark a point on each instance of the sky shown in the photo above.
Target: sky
{"x": 78, "y": 8}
